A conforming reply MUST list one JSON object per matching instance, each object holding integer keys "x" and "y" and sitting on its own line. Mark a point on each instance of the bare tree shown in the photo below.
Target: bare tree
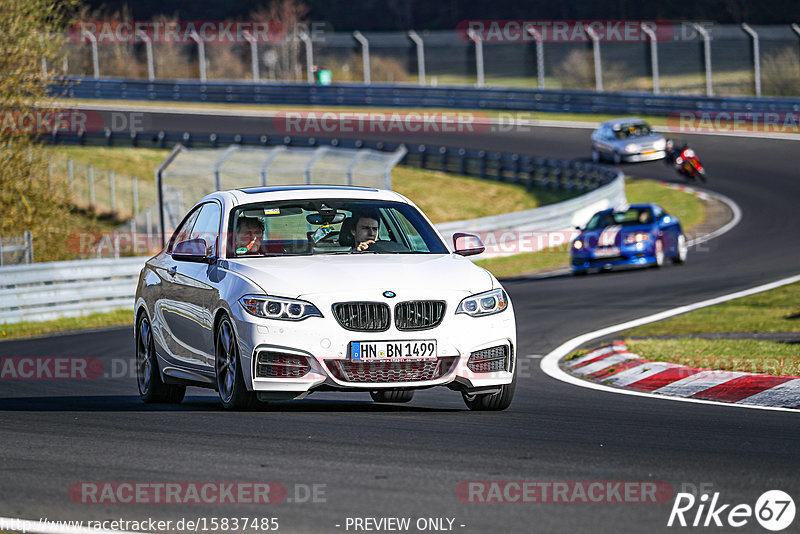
{"x": 291, "y": 15}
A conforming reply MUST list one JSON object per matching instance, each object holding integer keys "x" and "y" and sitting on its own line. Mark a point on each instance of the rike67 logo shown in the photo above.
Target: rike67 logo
{"x": 774, "y": 510}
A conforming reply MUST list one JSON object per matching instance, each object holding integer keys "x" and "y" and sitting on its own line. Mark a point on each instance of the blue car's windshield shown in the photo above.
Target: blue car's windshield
{"x": 330, "y": 226}
{"x": 628, "y": 217}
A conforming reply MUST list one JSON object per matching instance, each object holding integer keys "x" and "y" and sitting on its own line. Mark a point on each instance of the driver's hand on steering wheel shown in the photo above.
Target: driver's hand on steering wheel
{"x": 364, "y": 245}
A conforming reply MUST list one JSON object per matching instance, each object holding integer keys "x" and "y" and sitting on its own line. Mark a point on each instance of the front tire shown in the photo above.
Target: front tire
{"x": 151, "y": 388}
{"x": 492, "y": 401}
{"x": 659, "y": 253}
{"x": 683, "y": 250}
{"x": 232, "y": 390}
{"x": 392, "y": 395}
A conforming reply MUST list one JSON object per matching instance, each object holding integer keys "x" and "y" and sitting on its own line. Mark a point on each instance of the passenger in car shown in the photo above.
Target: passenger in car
{"x": 365, "y": 228}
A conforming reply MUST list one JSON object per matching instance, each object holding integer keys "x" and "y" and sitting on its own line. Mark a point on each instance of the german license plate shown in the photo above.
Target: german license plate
{"x": 606, "y": 252}
{"x": 392, "y": 350}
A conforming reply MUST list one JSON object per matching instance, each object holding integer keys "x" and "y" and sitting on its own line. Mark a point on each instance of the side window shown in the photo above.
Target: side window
{"x": 206, "y": 226}
{"x": 183, "y": 231}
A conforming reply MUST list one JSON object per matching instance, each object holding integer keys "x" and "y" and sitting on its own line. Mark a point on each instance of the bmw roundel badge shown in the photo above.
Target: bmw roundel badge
{"x": 389, "y": 294}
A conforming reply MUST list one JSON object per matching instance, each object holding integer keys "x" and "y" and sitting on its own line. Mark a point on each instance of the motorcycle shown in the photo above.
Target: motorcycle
{"x": 684, "y": 160}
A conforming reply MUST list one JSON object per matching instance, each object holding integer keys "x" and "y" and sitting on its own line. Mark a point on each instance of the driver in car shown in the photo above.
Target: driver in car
{"x": 249, "y": 235}
{"x": 365, "y": 229}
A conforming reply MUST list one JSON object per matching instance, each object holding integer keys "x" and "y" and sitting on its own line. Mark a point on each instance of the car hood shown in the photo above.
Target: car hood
{"x": 645, "y": 140}
{"x": 591, "y": 237}
{"x": 295, "y": 276}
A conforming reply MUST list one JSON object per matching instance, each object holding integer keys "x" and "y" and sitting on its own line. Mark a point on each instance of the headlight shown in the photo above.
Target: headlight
{"x": 577, "y": 244}
{"x": 481, "y": 304}
{"x": 661, "y": 144}
{"x": 631, "y": 147}
{"x": 278, "y": 308}
{"x": 636, "y": 237}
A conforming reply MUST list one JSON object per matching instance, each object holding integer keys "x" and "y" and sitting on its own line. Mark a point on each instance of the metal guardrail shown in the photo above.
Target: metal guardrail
{"x": 45, "y": 291}
{"x": 496, "y": 98}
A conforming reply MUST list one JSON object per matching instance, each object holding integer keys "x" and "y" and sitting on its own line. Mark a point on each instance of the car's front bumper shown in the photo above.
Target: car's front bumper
{"x": 629, "y": 256}
{"x": 650, "y": 155}
{"x": 324, "y": 345}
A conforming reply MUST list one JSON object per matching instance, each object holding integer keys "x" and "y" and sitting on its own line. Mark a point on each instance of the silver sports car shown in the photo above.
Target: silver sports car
{"x": 628, "y": 139}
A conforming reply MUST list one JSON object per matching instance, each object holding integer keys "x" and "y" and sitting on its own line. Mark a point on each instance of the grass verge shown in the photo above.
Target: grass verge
{"x": 777, "y": 310}
{"x": 687, "y": 207}
{"x": 749, "y": 355}
{"x": 95, "y": 320}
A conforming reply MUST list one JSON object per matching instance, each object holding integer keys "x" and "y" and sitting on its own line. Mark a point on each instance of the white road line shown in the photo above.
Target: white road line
{"x": 785, "y": 394}
{"x": 686, "y": 387}
{"x": 550, "y": 363}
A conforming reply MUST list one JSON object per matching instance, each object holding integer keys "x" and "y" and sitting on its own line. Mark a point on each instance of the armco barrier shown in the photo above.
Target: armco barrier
{"x": 45, "y": 291}
{"x": 386, "y": 95}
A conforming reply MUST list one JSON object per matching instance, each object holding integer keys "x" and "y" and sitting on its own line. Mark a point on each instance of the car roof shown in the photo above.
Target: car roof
{"x": 300, "y": 192}
{"x": 638, "y": 205}
{"x": 624, "y": 121}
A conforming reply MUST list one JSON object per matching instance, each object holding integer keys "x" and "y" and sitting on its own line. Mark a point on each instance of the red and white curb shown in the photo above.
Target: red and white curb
{"x": 614, "y": 366}
{"x": 774, "y": 400}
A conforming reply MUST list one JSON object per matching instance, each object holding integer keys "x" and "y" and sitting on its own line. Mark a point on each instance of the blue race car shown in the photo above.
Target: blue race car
{"x": 635, "y": 235}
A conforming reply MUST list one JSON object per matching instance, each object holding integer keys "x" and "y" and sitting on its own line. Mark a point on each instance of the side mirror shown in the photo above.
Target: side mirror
{"x": 467, "y": 244}
{"x": 191, "y": 250}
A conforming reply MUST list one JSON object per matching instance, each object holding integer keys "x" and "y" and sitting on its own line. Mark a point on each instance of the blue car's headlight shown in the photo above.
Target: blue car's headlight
{"x": 278, "y": 308}
{"x": 481, "y": 304}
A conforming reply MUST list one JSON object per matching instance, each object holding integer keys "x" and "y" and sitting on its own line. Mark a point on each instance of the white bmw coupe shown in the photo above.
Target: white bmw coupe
{"x": 273, "y": 293}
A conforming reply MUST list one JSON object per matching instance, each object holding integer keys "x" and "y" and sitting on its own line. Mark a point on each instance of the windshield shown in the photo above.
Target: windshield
{"x": 628, "y": 217}
{"x": 330, "y": 226}
{"x": 632, "y": 130}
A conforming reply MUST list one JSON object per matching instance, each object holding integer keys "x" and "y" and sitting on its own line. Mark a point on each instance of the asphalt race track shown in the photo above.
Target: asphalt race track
{"x": 407, "y": 460}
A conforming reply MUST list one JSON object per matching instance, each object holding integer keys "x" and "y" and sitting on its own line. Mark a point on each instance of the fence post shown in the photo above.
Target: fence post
{"x": 253, "y": 55}
{"x": 135, "y": 196}
{"x": 201, "y": 52}
{"x": 148, "y": 46}
{"x": 29, "y": 245}
{"x": 414, "y": 36}
{"x": 91, "y": 186}
{"x": 653, "y": 56}
{"x": 706, "y": 56}
{"x": 71, "y": 173}
{"x": 113, "y": 191}
{"x": 309, "y": 55}
{"x": 756, "y": 56}
{"x": 1, "y": 251}
{"x": 95, "y": 60}
{"x": 598, "y": 65}
{"x": 364, "y": 54}
{"x": 478, "y": 56}
{"x": 539, "y": 55}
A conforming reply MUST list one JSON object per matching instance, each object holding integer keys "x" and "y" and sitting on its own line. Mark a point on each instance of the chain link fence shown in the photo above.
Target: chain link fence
{"x": 446, "y": 57}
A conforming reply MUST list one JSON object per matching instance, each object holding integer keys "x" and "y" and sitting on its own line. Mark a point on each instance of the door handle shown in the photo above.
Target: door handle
{"x": 172, "y": 270}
